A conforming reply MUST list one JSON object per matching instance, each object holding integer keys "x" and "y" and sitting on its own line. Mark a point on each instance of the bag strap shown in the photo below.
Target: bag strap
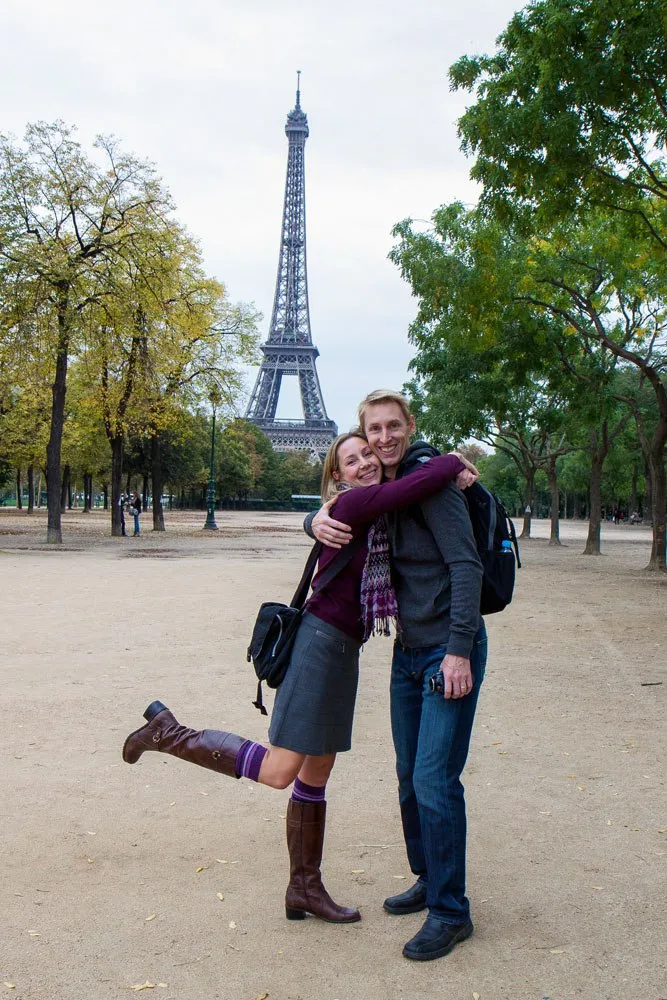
{"x": 338, "y": 563}
{"x": 301, "y": 591}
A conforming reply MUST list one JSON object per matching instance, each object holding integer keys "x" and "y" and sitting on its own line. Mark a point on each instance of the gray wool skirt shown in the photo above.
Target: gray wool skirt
{"x": 314, "y": 706}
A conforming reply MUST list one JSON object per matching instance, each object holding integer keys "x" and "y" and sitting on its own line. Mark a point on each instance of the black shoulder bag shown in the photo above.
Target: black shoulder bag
{"x": 276, "y": 625}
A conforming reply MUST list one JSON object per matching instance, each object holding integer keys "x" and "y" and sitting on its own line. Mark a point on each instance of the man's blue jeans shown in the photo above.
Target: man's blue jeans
{"x": 431, "y": 739}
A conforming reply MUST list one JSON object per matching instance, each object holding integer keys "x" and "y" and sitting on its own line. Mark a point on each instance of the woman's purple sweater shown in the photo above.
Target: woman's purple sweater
{"x": 339, "y": 603}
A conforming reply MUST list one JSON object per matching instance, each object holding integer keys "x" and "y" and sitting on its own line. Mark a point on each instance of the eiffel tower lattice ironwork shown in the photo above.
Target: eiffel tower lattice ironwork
{"x": 289, "y": 349}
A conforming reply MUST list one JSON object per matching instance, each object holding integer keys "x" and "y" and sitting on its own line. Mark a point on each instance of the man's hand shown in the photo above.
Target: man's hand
{"x": 457, "y": 676}
{"x": 333, "y": 533}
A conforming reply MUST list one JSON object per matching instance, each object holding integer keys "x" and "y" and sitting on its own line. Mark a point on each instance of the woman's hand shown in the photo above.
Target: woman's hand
{"x": 469, "y": 475}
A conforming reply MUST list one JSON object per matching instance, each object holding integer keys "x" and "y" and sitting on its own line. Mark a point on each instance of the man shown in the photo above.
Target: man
{"x": 437, "y": 575}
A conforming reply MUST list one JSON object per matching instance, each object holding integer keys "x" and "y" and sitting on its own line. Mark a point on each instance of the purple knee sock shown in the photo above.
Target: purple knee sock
{"x": 249, "y": 760}
{"x": 301, "y": 792}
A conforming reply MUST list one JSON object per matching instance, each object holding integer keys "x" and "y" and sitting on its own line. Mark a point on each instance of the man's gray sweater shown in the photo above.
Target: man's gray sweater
{"x": 437, "y": 573}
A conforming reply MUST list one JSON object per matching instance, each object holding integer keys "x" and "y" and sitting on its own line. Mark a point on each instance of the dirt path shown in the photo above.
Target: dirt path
{"x": 111, "y": 874}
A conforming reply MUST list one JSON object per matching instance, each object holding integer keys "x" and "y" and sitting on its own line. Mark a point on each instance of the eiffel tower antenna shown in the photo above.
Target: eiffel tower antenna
{"x": 289, "y": 349}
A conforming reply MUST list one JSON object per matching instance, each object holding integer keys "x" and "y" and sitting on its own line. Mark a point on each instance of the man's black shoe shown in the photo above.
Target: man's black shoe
{"x": 436, "y": 939}
{"x": 411, "y": 901}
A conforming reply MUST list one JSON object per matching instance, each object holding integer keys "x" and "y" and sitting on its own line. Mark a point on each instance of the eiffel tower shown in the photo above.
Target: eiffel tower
{"x": 289, "y": 349}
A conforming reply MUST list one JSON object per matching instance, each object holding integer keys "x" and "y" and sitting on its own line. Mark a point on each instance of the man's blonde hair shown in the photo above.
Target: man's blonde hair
{"x": 382, "y": 396}
{"x": 330, "y": 485}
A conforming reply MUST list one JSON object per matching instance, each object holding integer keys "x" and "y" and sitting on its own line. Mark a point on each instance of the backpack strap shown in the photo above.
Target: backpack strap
{"x": 492, "y": 517}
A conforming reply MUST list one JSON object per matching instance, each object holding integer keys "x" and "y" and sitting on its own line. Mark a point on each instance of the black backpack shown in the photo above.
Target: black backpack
{"x": 493, "y": 530}
{"x": 496, "y": 543}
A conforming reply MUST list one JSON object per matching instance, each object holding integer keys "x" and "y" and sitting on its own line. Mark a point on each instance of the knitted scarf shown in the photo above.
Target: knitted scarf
{"x": 378, "y": 598}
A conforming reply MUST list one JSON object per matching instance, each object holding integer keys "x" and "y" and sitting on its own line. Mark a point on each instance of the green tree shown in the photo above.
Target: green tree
{"x": 583, "y": 300}
{"x": 65, "y": 220}
{"x": 570, "y": 112}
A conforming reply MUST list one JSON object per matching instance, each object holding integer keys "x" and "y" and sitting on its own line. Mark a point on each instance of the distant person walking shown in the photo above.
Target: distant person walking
{"x": 135, "y": 511}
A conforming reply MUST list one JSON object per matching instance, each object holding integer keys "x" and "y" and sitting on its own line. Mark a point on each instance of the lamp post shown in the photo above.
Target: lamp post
{"x": 210, "y": 524}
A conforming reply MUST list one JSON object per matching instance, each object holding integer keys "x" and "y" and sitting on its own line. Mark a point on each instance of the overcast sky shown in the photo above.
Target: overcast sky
{"x": 202, "y": 88}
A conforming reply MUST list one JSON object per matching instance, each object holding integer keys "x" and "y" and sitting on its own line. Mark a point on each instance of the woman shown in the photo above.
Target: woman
{"x": 314, "y": 707}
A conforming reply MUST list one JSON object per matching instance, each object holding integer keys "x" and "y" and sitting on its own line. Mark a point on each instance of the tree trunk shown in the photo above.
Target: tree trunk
{"x": 144, "y": 493}
{"x": 39, "y": 491}
{"x": 87, "y": 492}
{"x": 54, "y": 534}
{"x": 595, "y": 517}
{"x": 648, "y": 475}
{"x": 31, "y": 489}
{"x": 554, "y": 538}
{"x": 116, "y": 480}
{"x": 599, "y": 442}
{"x": 659, "y": 498}
{"x": 156, "y": 476}
{"x": 66, "y": 490}
{"x": 105, "y": 491}
{"x": 19, "y": 498}
{"x": 654, "y": 456}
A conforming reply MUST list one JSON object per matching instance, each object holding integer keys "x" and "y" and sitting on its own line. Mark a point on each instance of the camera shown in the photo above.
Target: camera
{"x": 436, "y": 683}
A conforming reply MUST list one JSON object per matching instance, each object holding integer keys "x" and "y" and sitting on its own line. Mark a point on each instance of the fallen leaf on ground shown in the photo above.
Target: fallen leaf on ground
{"x": 232, "y": 924}
{"x": 34, "y": 933}
{"x": 580, "y": 787}
{"x": 557, "y": 951}
{"x": 152, "y": 917}
{"x": 357, "y": 871}
{"x": 143, "y": 986}
{"x": 202, "y": 868}
{"x": 220, "y": 896}
{"x": 172, "y": 803}
{"x": 262, "y": 996}
{"x": 164, "y": 985}
{"x": 597, "y": 887}
{"x": 498, "y": 743}
{"x": 222, "y": 861}
{"x": 399, "y": 876}
{"x": 10, "y": 986}
{"x": 475, "y": 996}
{"x": 203, "y": 793}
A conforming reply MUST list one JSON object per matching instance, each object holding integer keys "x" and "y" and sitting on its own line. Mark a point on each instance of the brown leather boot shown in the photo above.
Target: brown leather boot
{"x": 305, "y": 892}
{"x": 206, "y": 747}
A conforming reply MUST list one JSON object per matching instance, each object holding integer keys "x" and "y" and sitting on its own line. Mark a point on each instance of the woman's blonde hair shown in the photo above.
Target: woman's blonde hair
{"x": 330, "y": 485}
